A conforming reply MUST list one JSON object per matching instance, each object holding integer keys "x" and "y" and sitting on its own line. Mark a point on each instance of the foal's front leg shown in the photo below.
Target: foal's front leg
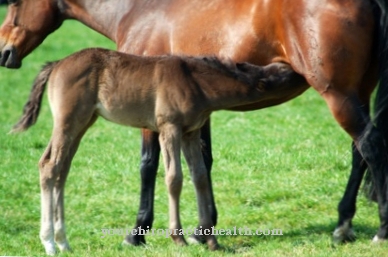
{"x": 170, "y": 138}
{"x": 192, "y": 151}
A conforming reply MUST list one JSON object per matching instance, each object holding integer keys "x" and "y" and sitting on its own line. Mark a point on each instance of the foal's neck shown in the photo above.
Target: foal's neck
{"x": 228, "y": 90}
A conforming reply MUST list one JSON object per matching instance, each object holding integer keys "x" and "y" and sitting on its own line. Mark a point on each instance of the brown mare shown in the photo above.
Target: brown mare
{"x": 136, "y": 91}
{"x": 337, "y": 45}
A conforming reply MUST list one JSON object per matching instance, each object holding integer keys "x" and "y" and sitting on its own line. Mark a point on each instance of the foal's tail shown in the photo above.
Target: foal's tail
{"x": 32, "y": 107}
{"x": 380, "y": 118}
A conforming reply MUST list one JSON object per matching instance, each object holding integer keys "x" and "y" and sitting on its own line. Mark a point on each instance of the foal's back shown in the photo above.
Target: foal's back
{"x": 140, "y": 91}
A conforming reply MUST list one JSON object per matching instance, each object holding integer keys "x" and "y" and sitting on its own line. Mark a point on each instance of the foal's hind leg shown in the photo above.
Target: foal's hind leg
{"x": 51, "y": 164}
{"x": 206, "y": 149}
{"x": 192, "y": 151}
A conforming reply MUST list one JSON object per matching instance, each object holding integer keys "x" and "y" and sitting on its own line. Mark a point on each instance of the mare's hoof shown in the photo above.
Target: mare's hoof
{"x": 377, "y": 240}
{"x": 341, "y": 235}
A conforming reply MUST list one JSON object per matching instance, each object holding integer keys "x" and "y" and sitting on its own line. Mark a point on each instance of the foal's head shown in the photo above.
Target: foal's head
{"x": 246, "y": 73}
{"x": 275, "y": 76}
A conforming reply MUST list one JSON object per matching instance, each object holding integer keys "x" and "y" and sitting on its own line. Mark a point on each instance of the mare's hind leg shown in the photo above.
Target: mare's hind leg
{"x": 351, "y": 115}
{"x": 347, "y": 205}
{"x": 170, "y": 143}
{"x": 59, "y": 215}
{"x": 192, "y": 151}
{"x": 373, "y": 146}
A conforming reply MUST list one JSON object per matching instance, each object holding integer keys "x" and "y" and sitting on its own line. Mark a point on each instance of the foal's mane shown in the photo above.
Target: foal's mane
{"x": 244, "y": 72}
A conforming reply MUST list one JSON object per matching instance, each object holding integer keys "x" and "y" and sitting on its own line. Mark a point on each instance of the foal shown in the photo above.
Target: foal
{"x": 170, "y": 95}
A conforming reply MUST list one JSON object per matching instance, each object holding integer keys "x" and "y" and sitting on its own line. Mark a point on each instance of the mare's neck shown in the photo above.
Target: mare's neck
{"x": 99, "y": 15}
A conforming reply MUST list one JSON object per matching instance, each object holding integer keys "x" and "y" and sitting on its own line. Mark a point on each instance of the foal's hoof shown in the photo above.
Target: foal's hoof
{"x": 134, "y": 240}
{"x": 49, "y": 247}
{"x": 179, "y": 240}
{"x": 377, "y": 240}
{"x": 196, "y": 239}
{"x": 214, "y": 247}
{"x": 341, "y": 235}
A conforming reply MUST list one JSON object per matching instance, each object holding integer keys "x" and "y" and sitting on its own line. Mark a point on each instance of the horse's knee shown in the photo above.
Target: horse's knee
{"x": 174, "y": 182}
{"x": 48, "y": 173}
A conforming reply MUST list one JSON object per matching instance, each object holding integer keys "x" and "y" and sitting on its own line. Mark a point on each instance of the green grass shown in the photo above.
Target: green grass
{"x": 284, "y": 167}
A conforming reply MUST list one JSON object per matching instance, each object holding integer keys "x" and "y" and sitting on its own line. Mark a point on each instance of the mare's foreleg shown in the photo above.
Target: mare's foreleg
{"x": 192, "y": 151}
{"x": 149, "y": 165}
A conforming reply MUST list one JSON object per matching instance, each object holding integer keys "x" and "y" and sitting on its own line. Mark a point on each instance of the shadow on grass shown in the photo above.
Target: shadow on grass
{"x": 300, "y": 236}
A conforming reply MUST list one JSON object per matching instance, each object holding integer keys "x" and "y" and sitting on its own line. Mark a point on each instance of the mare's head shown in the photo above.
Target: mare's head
{"x": 26, "y": 25}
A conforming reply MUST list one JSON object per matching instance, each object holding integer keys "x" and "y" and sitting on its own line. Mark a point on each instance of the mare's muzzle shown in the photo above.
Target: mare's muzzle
{"x": 9, "y": 57}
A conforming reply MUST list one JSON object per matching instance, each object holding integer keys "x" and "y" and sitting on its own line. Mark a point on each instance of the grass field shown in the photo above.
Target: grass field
{"x": 284, "y": 167}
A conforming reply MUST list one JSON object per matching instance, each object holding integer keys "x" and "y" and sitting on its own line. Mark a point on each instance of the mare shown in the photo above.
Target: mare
{"x": 338, "y": 46}
{"x": 136, "y": 91}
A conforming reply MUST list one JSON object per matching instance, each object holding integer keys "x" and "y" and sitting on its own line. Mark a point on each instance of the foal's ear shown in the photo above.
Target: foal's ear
{"x": 261, "y": 85}
{"x": 243, "y": 66}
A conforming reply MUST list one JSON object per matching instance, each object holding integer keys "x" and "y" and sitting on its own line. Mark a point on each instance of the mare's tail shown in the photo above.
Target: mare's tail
{"x": 32, "y": 107}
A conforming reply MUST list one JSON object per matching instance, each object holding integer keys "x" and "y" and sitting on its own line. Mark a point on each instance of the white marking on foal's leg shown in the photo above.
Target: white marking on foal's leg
{"x": 47, "y": 227}
{"x": 59, "y": 226}
{"x": 60, "y": 236}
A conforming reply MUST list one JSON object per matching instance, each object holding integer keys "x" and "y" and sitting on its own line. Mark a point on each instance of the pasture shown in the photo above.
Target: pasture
{"x": 284, "y": 167}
